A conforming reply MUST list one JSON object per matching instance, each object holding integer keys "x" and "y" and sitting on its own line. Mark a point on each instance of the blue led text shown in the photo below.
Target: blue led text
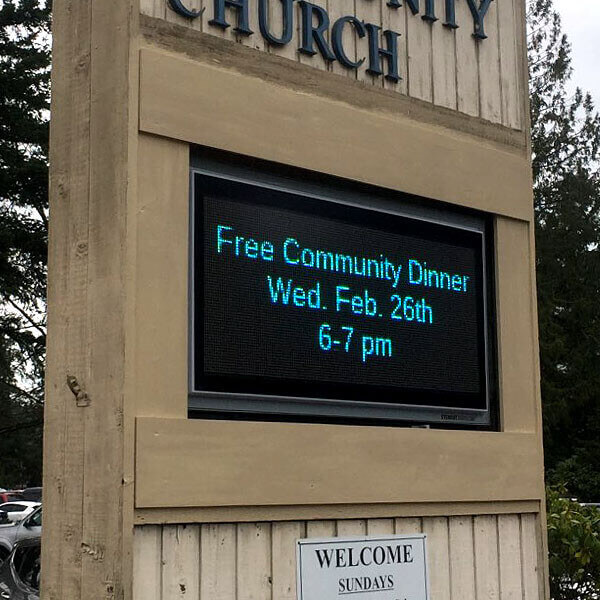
{"x": 242, "y": 246}
{"x": 359, "y": 305}
{"x": 281, "y": 292}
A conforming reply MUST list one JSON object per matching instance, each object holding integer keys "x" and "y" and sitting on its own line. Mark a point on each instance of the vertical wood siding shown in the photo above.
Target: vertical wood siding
{"x": 447, "y": 67}
{"x": 470, "y": 558}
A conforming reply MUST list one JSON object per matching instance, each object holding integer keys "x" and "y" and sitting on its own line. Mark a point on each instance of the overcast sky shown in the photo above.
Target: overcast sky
{"x": 581, "y": 23}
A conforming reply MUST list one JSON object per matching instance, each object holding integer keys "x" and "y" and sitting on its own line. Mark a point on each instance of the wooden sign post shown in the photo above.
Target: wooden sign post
{"x": 291, "y": 296}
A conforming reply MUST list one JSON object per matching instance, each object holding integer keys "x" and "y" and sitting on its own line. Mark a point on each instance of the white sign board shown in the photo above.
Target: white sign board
{"x": 366, "y": 568}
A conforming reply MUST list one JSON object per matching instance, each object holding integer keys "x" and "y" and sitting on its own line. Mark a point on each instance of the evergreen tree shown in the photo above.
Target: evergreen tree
{"x": 566, "y": 143}
{"x": 24, "y": 114}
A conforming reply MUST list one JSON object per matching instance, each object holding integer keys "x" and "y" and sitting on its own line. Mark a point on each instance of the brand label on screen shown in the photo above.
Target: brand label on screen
{"x": 395, "y": 567}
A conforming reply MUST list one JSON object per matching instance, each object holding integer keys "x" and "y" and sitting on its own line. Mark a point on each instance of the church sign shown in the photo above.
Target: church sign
{"x": 320, "y": 34}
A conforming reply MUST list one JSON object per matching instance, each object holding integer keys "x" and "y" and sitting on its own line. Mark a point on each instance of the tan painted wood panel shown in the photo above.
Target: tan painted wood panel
{"x": 467, "y": 68}
{"x": 181, "y": 455}
{"x": 284, "y": 539}
{"x": 147, "y": 559}
{"x": 161, "y": 350}
{"x": 326, "y": 134}
{"x": 486, "y": 557}
{"x": 218, "y": 568}
{"x": 438, "y": 546}
{"x": 509, "y": 554}
{"x": 509, "y": 68}
{"x": 462, "y": 560}
{"x": 443, "y": 41}
{"x": 489, "y": 68}
{"x": 530, "y": 552}
{"x": 420, "y": 62}
{"x": 254, "y": 561}
{"x": 516, "y": 335}
{"x": 247, "y": 514}
{"x": 181, "y": 563}
{"x": 395, "y": 20}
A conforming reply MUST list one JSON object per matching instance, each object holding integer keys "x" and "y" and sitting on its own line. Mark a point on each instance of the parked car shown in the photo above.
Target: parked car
{"x": 4, "y": 518}
{"x": 20, "y": 573}
{"x": 17, "y": 511}
{"x": 32, "y": 494}
{"x": 11, "y": 496}
{"x": 29, "y": 527}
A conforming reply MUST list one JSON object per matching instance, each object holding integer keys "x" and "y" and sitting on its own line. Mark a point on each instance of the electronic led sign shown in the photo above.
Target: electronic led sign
{"x": 312, "y": 306}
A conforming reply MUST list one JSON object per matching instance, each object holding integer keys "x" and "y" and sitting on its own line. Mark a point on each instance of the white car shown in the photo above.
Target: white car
{"x": 17, "y": 511}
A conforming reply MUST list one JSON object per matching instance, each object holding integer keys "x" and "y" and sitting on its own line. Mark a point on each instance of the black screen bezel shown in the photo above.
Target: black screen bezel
{"x": 258, "y": 397}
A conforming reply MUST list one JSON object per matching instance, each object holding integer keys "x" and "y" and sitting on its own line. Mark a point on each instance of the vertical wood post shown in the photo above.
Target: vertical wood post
{"x": 87, "y": 534}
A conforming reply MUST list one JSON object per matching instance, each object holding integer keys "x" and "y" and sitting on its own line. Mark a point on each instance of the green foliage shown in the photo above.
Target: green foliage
{"x": 24, "y": 106}
{"x": 574, "y": 544}
{"x": 566, "y": 153}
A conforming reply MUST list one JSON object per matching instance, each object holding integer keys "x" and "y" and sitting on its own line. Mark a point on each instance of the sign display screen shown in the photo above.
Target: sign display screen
{"x": 300, "y": 297}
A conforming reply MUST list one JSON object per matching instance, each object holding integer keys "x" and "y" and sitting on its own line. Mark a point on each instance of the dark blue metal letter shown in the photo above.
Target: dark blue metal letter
{"x": 311, "y": 33}
{"x": 414, "y": 6}
{"x": 479, "y": 16}
{"x": 180, "y": 9}
{"x": 337, "y": 32}
{"x": 376, "y": 52}
{"x": 394, "y": 3}
{"x": 450, "y": 14}
{"x": 287, "y": 29}
{"x": 429, "y": 11}
{"x": 241, "y": 7}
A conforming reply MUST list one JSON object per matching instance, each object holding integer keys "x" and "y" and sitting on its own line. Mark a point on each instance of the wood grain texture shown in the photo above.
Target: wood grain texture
{"x": 68, "y": 331}
{"x": 254, "y": 574}
{"x": 438, "y": 548}
{"x": 218, "y": 561}
{"x": 147, "y": 563}
{"x": 433, "y": 59}
{"x": 490, "y": 94}
{"x": 510, "y": 78}
{"x": 180, "y": 563}
{"x": 509, "y": 554}
{"x": 443, "y": 43}
{"x": 467, "y": 65}
{"x": 284, "y": 537}
{"x": 487, "y": 582}
{"x": 88, "y": 546}
{"x": 463, "y": 559}
{"x": 530, "y": 552}
{"x": 420, "y": 61}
